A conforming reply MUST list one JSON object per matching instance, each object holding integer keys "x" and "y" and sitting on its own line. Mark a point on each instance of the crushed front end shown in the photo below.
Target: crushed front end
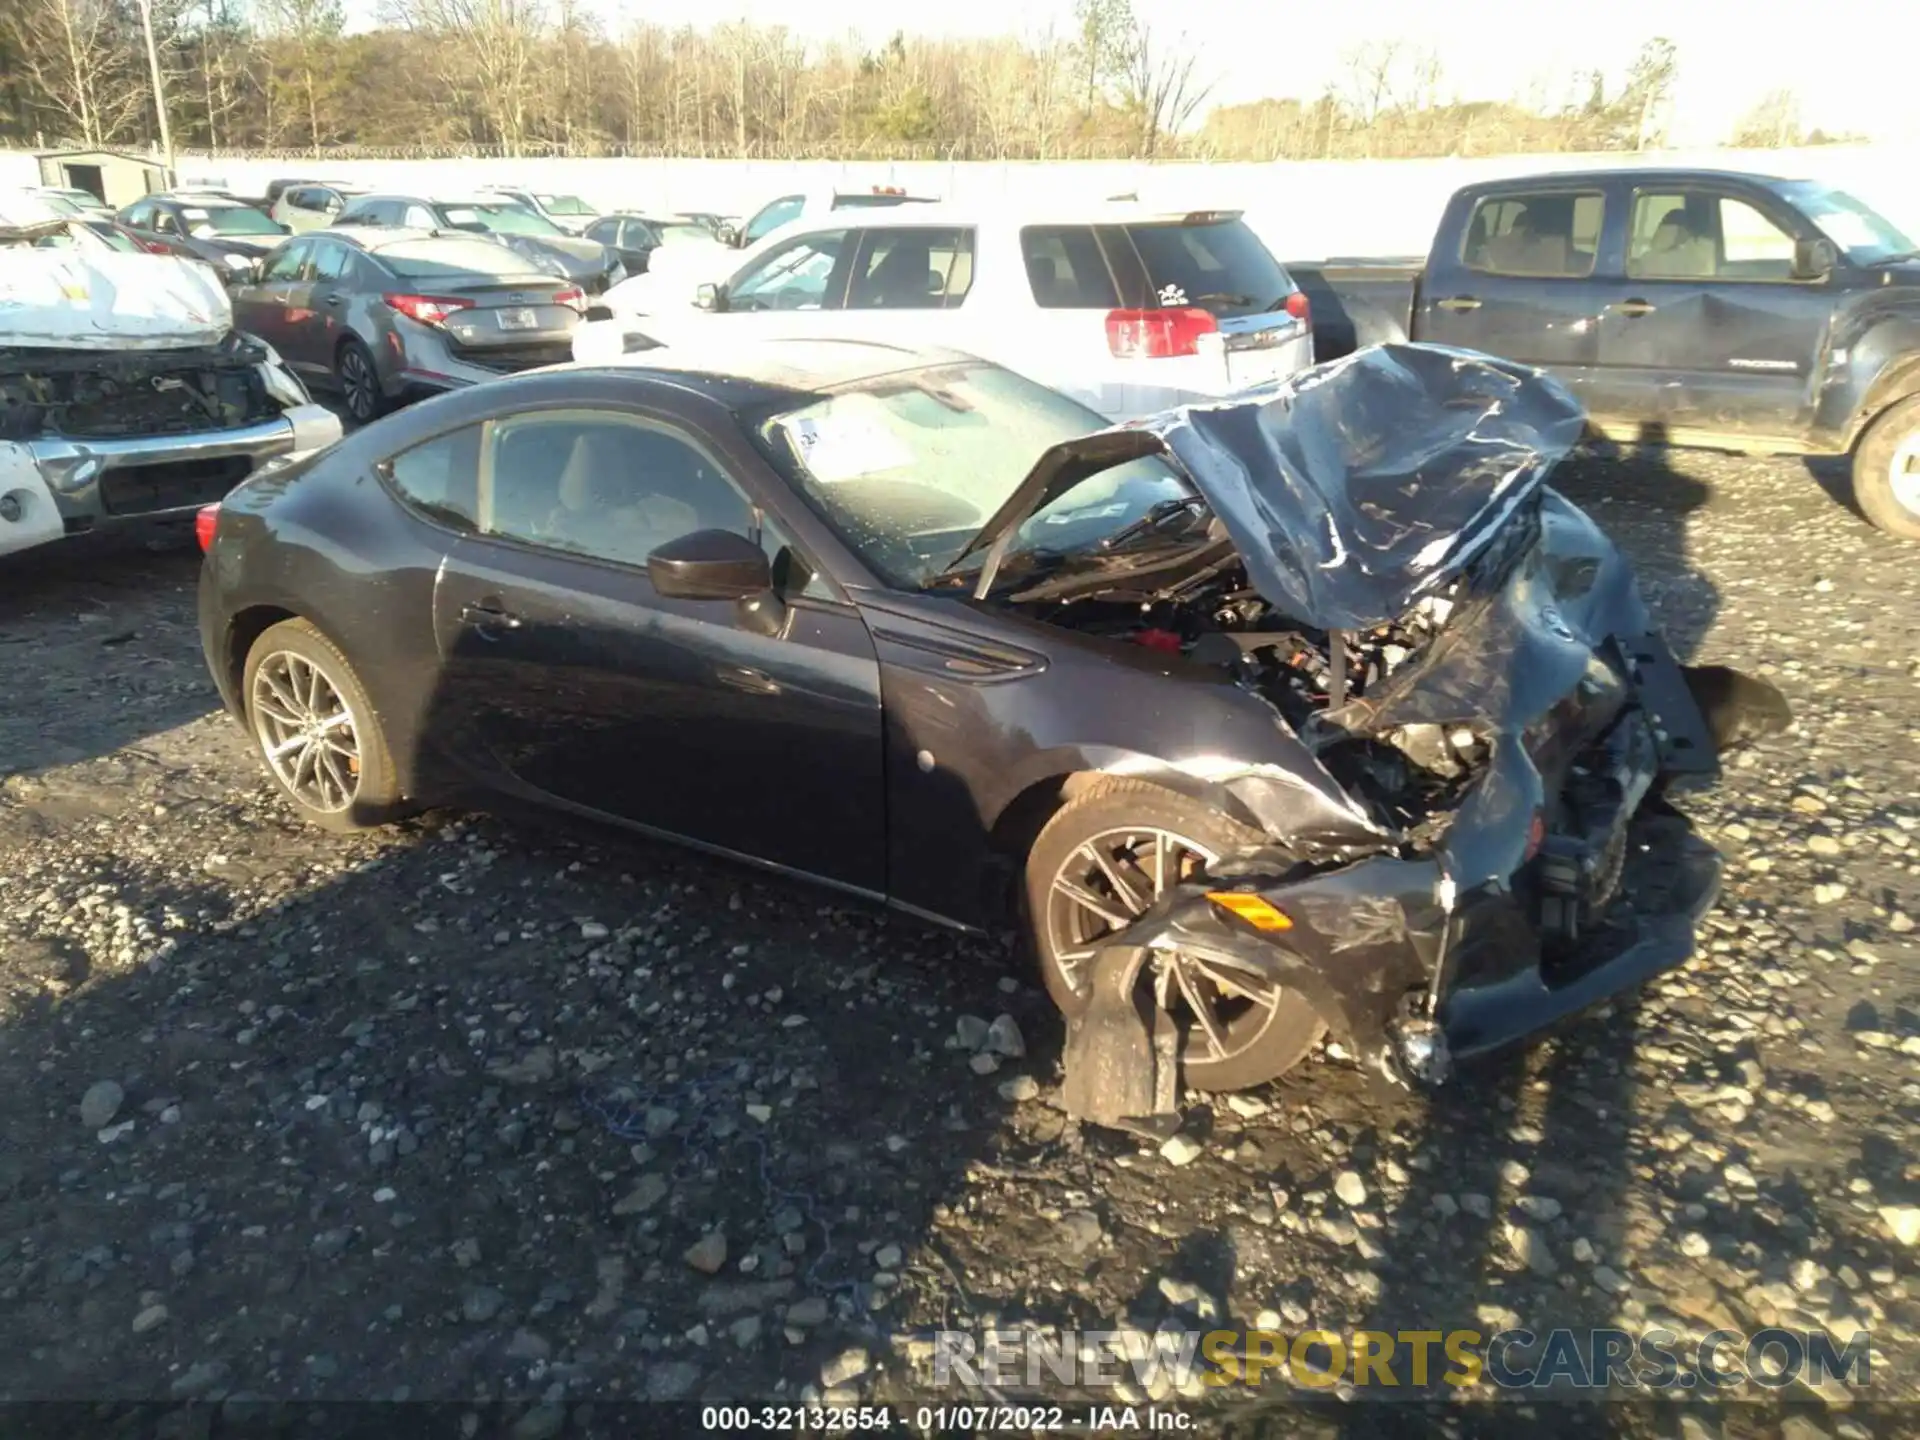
{"x": 1469, "y": 658}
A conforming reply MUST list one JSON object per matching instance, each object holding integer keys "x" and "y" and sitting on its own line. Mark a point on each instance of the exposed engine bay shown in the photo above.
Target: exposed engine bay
{"x": 1409, "y": 776}
{"x": 94, "y": 395}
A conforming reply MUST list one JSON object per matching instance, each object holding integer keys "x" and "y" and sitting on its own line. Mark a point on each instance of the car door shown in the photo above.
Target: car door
{"x": 908, "y": 285}
{"x": 318, "y": 300}
{"x": 1521, "y": 286}
{"x": 635, "y": 241}
{"x": 1705, "y": 327}
{"x": 770, "y": 217}
{"x": 796, "y": 288}
{"x": 569, "y": 678}
{"x": 262, "y": 307}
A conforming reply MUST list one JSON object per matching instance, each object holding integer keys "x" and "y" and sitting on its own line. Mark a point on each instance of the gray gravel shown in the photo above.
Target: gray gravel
{"x": 491, "y": 1108}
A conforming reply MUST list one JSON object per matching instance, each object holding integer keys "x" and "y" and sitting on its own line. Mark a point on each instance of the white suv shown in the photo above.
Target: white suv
{"x": 1128, "y": 310}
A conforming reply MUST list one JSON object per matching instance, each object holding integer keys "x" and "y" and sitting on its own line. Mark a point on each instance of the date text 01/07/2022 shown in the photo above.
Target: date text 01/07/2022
{"x": 963, "y": 1419}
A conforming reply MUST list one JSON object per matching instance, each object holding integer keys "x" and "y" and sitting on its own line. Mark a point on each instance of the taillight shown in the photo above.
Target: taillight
{"x": 428, "y": 309}
{"x": 576, "y": 298}
{"x": 206, "y": 520}
{"x": 1299, "y": 307}
{"x": 1158, "y": 334}
{"x": 153, "y": 247}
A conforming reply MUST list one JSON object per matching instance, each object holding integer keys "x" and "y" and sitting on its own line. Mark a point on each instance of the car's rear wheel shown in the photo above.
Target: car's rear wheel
{"x": 1886, "y": 471}
{"x": 317, "y": 730}
{"x": 359, "y": 381}
{"x": 1105, "y": 857}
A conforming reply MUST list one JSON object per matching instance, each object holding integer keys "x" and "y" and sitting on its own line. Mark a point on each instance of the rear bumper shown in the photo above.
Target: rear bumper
{"x": 97, "y": 481}
{"x": 419, "y": 358}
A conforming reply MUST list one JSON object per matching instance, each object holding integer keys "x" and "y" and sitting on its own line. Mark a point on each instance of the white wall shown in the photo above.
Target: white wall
{"x": 1305, "y": 209}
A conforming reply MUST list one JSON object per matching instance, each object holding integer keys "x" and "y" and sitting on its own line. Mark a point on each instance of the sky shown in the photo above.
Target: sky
{"x": 1849, "y": 61}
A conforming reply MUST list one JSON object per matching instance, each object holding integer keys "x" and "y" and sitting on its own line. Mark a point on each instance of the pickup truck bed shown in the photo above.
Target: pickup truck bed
{"x": 1684, "y": 307}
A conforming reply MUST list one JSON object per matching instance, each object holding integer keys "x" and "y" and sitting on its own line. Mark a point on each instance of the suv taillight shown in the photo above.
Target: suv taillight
{"x": 206, "y": 521}
{"x": 1299, "y": 307}
{"x": 427, "y": 309}
{"x": 1158, "y": 334}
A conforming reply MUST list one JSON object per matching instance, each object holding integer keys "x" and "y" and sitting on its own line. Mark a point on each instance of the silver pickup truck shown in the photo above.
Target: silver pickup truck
{"x": 125, "y": 393}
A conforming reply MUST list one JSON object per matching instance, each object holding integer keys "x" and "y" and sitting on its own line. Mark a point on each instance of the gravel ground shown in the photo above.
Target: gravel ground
{"x": 482, "y": 1108}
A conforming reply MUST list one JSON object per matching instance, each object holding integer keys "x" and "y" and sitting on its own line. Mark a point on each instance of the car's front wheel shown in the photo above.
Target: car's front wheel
{"x": 359, "y": 381}
{"x": 317, "y": 730}
{"x": 1104, "y": 858}
{"x": 1886, "y": 471}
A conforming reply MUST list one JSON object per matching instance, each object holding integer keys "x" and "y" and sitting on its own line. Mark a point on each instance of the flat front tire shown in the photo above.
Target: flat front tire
{"x": 316, "y": 730}
{"x": 1886, "y": 471}
{"x": 1102, "y": 859}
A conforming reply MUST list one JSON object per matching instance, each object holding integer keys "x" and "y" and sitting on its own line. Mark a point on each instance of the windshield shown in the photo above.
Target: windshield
{"x": 565, "y": 205}
{"x": 425, "y": 259}
{"x": 229, "y": 220}
{"x": 908, "y": 467}
{"x": 501, "y": 219}
{"x": 1856, "y": 227}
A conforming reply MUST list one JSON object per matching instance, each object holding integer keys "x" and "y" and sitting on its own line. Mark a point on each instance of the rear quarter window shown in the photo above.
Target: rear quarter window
{"x": 1066, "y": 268}
{"x": 440, "y": 478}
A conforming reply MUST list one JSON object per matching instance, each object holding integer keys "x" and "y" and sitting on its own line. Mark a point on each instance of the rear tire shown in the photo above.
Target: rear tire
{"x": 359, "y": 382}
{"x": 317, "y": 731}
{"x": 1886, "y": 471}
{"x": 1149, "y": 838}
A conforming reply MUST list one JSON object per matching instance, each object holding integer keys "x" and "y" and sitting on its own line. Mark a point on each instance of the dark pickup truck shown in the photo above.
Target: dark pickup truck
{"x": 1683, "y": 307}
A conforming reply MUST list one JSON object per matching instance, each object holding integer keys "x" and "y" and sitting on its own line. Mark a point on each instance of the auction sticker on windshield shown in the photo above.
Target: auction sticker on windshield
{"x": 845, "y": 450}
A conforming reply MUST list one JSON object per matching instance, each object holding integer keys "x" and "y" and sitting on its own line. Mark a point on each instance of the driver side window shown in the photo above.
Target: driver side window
{"x": 289, "y": 262}
{"x": 805, "y": 274}
{"x": 602, "y": 485}
{"x": 165, "y": 224}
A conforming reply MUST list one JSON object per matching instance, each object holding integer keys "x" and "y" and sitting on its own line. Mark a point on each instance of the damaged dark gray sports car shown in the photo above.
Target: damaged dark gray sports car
{"x": 1311, "y": 708}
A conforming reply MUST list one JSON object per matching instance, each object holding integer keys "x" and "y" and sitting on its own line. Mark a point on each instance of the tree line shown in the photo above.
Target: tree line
{"x": 532, "y": 77}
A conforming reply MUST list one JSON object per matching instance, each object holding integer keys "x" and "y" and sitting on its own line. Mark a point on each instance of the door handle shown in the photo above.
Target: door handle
{"x": 488, "y": 614}
{"x": 330, "y": 299}
{"x": 1633, "y": 307}
{"x": 742, "y": 677}
{"x": 1458, "y": 302}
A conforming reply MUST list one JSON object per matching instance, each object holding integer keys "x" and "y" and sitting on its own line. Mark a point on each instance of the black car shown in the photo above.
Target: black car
{"x": 634, "y": 237}
{"x": 226, "y": 234}
{"x": 1369, "y": 746}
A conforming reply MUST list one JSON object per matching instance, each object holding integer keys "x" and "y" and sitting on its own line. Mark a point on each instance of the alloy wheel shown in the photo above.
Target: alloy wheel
{"x": 358, "y": 382}
{"x": 1110, "y": 880}
{"x": 306, "y": 731}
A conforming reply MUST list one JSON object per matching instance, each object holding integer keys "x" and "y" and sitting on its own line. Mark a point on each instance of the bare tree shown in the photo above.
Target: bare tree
{"x": 491, "y": 51}
{"x": 1161, "y": 86}
{"x": 79, "y": 56}
{"x": 1105, "y": 39}
{"x": 1772, "y": 124}
{"x": 306, "y": 30}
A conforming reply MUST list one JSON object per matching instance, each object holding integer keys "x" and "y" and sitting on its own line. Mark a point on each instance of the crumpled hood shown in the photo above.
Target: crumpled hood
{"x": 109, "y": 300}
{"x": 1357, "y": 486}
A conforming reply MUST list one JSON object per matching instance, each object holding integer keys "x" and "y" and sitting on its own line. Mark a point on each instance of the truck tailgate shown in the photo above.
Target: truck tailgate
{"x": 1358, "y": 301}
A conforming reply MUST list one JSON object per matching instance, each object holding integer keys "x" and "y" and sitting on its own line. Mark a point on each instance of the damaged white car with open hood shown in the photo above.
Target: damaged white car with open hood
{"x": 125, "y": 392}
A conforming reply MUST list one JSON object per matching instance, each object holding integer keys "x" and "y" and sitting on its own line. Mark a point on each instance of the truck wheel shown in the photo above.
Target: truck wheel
{"x": 1886, "y": 471}
{"x": 1103, "y": 857}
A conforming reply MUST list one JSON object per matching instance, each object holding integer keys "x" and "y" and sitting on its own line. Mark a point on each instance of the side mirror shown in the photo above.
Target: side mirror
{"x": 728, "y": 235}
{"x": 1814, "y": 259}
{"x": 709, "y": 296}
{"x": 710, "y": 565}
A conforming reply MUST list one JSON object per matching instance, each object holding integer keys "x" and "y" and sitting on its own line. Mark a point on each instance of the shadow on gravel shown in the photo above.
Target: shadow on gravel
{"x": 84, "y": 678}
{"x": 504, "y": 1113}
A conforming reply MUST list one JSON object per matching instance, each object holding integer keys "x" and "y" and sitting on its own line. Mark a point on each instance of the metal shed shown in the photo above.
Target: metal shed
{"x": 117, "y": 177}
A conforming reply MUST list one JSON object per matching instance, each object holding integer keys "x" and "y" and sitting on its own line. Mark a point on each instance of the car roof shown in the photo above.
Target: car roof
{"x": 788, "y": 363}
{"x": 1039, "y": 212}
{"x": 377, "y": 237}
{"x": 1644, "y": 174}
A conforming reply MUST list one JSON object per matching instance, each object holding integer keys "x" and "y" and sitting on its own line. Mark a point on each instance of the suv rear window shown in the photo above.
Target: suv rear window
{"x": 1216, "y": 265}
